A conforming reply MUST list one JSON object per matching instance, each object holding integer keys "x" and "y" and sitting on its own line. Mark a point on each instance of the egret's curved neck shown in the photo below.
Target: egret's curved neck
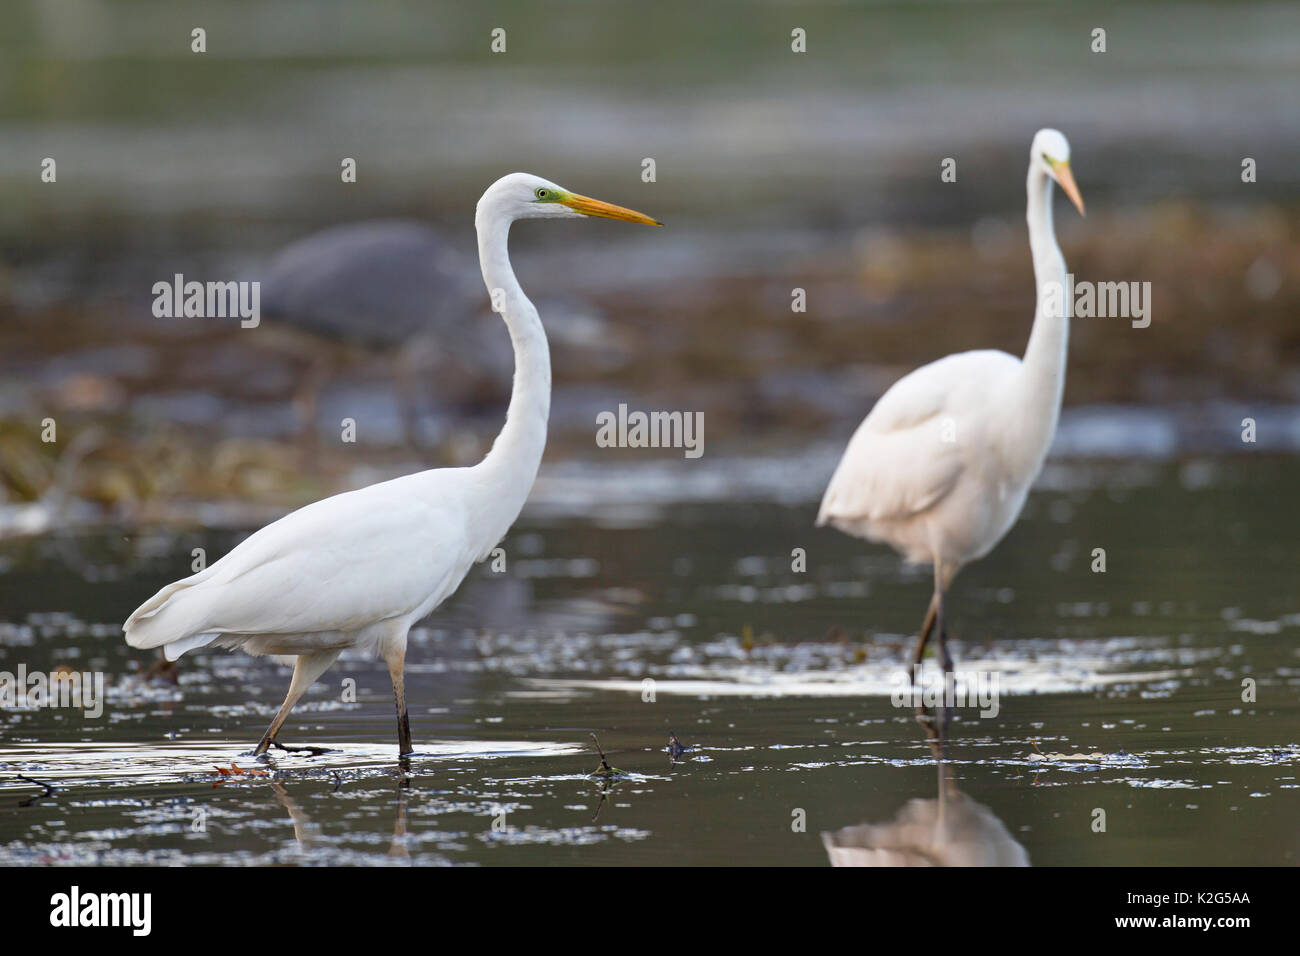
{"x": 508, "y": 471}
{"x": 1042, "y": 373}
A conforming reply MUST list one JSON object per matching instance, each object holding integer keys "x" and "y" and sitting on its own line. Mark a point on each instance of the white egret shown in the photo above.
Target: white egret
{"x": 356, "y": 570}
{"x": 941, "y": 466}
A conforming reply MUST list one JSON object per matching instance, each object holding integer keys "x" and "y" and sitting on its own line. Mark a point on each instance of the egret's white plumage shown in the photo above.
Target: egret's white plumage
{"x": 941, "y": 466}
{"x": 356, "y": 570}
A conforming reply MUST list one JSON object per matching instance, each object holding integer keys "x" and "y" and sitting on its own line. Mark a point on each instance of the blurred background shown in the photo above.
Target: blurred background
{"x": 774, "y": 170}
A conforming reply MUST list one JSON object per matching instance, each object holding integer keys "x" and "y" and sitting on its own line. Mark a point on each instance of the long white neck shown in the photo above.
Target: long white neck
{"x": 506, "y": 475}
{"x": 1041, "y": 380}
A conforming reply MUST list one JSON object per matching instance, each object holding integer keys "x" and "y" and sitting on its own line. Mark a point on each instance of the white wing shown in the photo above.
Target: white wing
{"x": 339, "y": 564}
{"x": 904, "y": 458}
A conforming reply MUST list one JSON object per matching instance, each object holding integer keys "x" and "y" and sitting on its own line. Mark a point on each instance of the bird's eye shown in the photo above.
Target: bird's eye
{"x": 541, "y": 193}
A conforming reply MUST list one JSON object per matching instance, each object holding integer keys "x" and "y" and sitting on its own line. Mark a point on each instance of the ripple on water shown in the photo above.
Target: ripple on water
{"x": 1044, "y": 673}
{"x": 66, "y": 765}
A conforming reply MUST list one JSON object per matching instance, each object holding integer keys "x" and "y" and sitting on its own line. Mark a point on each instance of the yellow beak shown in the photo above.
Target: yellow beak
{"x": 1065, "y": 179}
{"x": 594, "y": 207}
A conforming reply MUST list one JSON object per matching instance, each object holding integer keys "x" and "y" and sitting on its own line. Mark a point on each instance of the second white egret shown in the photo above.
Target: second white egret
{"x": 942, "y": 465}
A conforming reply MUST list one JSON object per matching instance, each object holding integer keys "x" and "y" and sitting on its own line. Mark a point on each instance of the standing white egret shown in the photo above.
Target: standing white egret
{"x": 358, "y": 569}
{"x": 941, "y": 466}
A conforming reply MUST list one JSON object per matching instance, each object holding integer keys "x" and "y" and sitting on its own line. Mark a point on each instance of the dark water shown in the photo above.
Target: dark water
{"x": 1121, "y": 692}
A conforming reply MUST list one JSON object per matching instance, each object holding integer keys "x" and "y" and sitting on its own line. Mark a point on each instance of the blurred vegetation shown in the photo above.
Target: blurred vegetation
{"x": 775, "y": 170}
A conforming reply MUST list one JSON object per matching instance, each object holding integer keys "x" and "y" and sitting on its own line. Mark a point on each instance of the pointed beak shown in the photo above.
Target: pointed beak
{"x": 594, "y": 207}
{"x": 1065, "y": 179}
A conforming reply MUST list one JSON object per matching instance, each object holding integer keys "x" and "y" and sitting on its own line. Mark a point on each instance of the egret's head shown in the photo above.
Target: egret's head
{"x": 1051, "y": 152}
{"x": 523, "y": 196}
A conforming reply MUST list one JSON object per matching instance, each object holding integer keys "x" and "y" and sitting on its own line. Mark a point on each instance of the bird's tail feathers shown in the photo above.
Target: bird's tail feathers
{"x": 177, "y": 612}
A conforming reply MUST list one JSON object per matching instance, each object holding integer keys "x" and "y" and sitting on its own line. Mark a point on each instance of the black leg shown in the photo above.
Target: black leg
{"x": 404, "y": 734}
{"x": 397, "y": 671}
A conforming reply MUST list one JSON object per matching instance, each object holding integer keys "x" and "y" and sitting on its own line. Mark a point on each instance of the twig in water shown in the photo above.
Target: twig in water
{"x": 607, "y": 786}
{"x": 49, "y": 789}
{"x": 604, "y": 770}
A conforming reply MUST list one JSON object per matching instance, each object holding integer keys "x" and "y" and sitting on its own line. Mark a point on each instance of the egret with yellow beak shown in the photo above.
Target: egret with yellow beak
{"x": 941, "y": 466}
{"x": 355, "y": 571}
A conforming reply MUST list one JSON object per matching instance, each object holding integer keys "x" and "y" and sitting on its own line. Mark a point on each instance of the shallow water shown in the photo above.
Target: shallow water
{"x": 1120, "y": 691}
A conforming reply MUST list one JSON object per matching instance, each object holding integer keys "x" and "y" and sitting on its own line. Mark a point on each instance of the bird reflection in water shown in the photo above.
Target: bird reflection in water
{"x": 951, "y": 830}
{"x": 305, "y": 832}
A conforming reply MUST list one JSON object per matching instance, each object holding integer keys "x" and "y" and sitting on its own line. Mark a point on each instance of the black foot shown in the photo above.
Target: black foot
{"x": 311, "y": 751}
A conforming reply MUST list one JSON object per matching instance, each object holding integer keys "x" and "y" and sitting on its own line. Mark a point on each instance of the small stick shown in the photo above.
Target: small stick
{"x": 604, "y": 769}
{"x": 49, "y": 789}
{"x": 604, "y": 794}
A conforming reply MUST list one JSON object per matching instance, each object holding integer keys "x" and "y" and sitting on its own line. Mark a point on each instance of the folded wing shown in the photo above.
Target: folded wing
{"x": 327, "y": 567}
{"x": 906, "y": 456}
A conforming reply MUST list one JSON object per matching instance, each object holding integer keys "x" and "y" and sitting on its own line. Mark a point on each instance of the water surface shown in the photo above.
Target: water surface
{"x": 1121, "y": 691}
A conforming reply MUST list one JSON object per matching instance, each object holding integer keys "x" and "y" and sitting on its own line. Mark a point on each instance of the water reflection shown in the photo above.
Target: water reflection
{"x": 306, "y": 832}
{"x": 950, "y": 830}
{"x": 953, "y": 830}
